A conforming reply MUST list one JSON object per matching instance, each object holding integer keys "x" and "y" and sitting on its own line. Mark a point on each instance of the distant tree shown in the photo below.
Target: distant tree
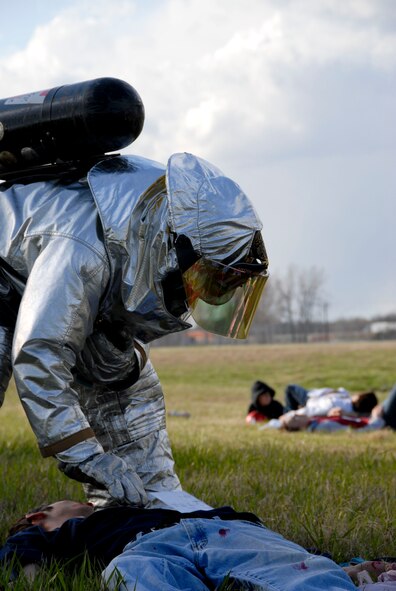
{"x": 293, "y": 304}
{"x": 309, "y": 299}
{"x": 268, "y": 314}
{"x": 287, "y": 293}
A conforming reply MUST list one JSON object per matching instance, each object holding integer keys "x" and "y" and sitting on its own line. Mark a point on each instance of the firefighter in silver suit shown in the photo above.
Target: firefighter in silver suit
{"x": 94, "y": 269}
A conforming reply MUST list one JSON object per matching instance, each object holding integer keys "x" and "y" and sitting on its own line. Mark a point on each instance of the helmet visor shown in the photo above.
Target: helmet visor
{"x": 223, "y": 299}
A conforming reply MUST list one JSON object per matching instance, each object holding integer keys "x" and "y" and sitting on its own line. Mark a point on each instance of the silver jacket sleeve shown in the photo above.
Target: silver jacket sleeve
{"x": 56, "y": 314}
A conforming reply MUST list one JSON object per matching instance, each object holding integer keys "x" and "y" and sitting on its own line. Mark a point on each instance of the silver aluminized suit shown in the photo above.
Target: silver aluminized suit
{"x": 81, "y": 264}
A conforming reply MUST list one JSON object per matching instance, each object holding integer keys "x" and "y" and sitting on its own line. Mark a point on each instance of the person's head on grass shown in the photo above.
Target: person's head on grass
{"x": 364, "y": 402}
{"x": 51, "y": 516}
{"x": 262, "y": 393}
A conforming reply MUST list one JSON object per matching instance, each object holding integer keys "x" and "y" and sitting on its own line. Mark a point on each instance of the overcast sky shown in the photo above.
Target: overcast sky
{"x": 293, "y": 99}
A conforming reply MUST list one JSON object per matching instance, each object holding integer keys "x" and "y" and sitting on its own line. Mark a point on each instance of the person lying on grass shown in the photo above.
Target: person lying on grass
{"x": 292, "y": 421}
{"x": 328, "y": 402}
{"x": 382, "y": 415}
{"x": 149, "y": 549}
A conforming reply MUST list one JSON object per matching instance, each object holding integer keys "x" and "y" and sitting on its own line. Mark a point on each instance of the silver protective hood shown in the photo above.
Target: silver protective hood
{"x": 140, "y": 218}
{"x": 134, "y": 217}
{"x": 209, "y": 208}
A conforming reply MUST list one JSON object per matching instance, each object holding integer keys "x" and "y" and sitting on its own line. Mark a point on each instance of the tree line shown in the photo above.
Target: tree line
{"x": 294, "y": 304}
{"x": 294, "y": 309}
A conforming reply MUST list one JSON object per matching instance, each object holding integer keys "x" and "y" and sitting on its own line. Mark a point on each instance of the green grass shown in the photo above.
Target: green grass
{"x": 335, "y": 492}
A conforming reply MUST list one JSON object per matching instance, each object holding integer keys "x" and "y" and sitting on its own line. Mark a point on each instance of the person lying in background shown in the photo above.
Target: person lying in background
{"x": 148, "y": 549}
{"x": 325, "y": 409}
{"x": 263, "y": 406}
{"x": 321, "y": 402}
{"x": 292, "y": 421}
{"x": 383, "y": 415}
{"x": 367, "y": 413}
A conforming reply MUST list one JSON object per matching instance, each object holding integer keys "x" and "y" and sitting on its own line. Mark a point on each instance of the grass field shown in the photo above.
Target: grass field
{"x": 335, "y": 492}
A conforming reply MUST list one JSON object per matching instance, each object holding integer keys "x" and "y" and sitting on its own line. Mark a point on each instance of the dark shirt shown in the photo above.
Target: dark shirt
{"x": 273, "y": 410}
{"x": 103, "y": 535}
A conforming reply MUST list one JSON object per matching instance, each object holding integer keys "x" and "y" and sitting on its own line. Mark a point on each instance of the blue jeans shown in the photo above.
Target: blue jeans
{"x": 295, "y": 396}
{"x": 389, "y": 408}
{"x": 197, "y": 554}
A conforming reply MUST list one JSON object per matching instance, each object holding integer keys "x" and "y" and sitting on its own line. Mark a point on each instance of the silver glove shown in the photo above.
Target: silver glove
{"x": 103, "y": 470}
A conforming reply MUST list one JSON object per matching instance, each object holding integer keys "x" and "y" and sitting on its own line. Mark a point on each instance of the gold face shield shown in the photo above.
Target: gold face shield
{"x": 223, "y": 299}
